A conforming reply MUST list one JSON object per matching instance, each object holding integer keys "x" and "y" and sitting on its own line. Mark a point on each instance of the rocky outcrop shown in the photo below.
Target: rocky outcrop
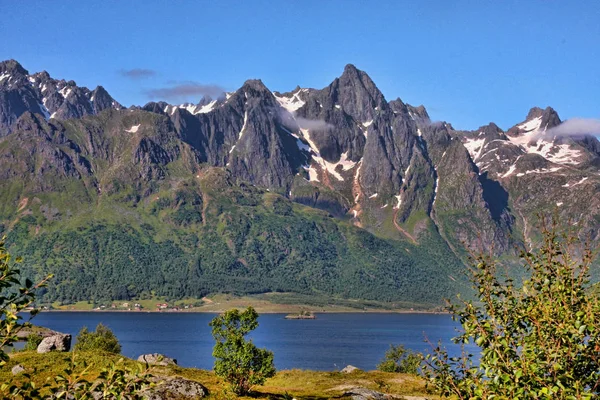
{"x": 157, "y": 359}
{"x": 361, "y": 393}
{"x": 176, "y": 388}
{"x": 348, "y": 369}
{"x": 60, "y": 342}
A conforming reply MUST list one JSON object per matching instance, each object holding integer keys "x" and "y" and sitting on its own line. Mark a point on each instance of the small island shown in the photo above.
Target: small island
{"x": 301, "y": 315}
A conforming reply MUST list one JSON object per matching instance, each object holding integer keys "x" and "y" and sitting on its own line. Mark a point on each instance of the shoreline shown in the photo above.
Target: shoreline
{"x": 259, "y": 311}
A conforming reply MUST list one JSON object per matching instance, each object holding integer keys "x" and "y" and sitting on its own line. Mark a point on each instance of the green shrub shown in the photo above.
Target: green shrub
{"x": 240, "y": 362}
{"x": 102, "y": 339}
{"x": 398, "y": 359}
{"x": 538, "y": 340}
{"x": 33, "y": 341}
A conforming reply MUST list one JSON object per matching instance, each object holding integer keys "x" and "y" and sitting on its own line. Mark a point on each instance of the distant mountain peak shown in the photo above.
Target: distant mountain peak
{"x": 12, "y": 66}
{"x": 534, "y": 112}
{"x": 255, "y": 85}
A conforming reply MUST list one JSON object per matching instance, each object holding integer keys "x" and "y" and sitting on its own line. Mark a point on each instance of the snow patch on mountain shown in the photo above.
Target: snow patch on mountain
{"x": 313, "y": 174}
{"x": 65, "y": 92}
{"x": 292, "y": 103}
{"x": 474, "y": 147}
{"x": 534, "y": 140}
{"x": 510, "y": 171}
{"x": 133, "y": 129}
{"x": 244, "y": 125}
{"x": 398, "y": 201}
{"x": 44, "y": 110}
{"x": 344, "y": 162}
{"x": 539, "y": 171}
{"x": 575, "y": 184}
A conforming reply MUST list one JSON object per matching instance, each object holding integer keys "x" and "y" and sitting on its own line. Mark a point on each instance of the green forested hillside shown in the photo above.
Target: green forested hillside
{"x": 212, "y": 236}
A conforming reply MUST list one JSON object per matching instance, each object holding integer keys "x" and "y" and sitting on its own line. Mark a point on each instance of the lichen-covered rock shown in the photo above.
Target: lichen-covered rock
{"x": 361, "y": 393}
{"x": 157, "y": 359}
{"x": 60, "y": 342}
{"x": 176, "y": 388}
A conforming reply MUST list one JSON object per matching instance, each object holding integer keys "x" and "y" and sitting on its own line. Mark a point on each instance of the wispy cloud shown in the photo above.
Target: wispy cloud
{"x": 184, "y": 91}
{"x": 137, "y": 73}
{"x": 315, "y": 124}
{"x": 294, "y": 122}
{"x": 576, "y": 127}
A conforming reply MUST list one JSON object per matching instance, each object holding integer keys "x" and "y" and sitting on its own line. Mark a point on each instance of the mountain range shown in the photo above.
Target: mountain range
{"x": 333, "y": 192}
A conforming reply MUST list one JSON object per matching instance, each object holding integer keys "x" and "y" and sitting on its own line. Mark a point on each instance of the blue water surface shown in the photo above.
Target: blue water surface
{"x": 329, "y": 342}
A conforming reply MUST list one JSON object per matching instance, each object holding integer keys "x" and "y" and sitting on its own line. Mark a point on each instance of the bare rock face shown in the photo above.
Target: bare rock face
{"x": 157, "y": 359}
{"x": 60, "y": 342}
{"x": 177, "y": 388}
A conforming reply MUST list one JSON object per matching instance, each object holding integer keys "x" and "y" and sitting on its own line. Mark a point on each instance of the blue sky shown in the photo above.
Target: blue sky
{"x": 468, "y": 62}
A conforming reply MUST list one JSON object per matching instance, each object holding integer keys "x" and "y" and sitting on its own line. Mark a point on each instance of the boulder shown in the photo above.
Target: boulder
{"x": 176, "y": 388}
{"x": 59, "y": 342}
{"x": 349, "y": 369}
{"x": 361, "y": 393}
{"x": 17, "y": 369}
{"x": 157, "y": 359}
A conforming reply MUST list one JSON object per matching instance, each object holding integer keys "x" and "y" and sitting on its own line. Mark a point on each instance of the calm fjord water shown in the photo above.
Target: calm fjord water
{"x": 329, "y": 342}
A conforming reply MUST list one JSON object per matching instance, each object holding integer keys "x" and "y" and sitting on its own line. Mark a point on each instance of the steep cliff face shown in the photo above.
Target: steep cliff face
{"x": 382, "y": 166}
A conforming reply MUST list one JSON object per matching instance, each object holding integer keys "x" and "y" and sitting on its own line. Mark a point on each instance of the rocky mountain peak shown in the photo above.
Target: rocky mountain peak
{"x": 254, "y": 87}
{"x": 491, "y": 129}
{"x": 50, "y": 98}
{"x": 357, "y": 94}
{"x": 12, "y": 67}
{"x": 534, "y": 112}
{"x": 550, "y": 118}
{"x": 43, "y": 76}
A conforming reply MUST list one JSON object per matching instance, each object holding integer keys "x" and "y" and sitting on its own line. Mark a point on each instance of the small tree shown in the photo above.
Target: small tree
{"x": 102, "y": 339}
{"x": 237, "y": 360}
{"x": 538, "y": 341}
{"x": 398, "y": 359}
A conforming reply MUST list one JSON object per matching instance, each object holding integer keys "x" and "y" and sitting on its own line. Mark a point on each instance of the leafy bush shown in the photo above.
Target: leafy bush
{"x": 14, "y": 299}
{"x": 240, "y": 362}
{"x": 538, "y": 341}
{"x": 33, "y": 341}
{"x": 398, "y": 359}
{"x": 102, "y": 339}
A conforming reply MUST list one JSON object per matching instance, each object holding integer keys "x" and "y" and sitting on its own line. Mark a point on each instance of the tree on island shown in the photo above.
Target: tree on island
{"x": 540, "y": 340}
{"x": 238, "y": 360}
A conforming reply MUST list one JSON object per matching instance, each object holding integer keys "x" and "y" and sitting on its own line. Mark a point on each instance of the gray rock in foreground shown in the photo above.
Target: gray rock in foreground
{"x": 176, "y": 388}
{"x": 59, "y": 342}
{"x": 17, "y": 369}
{"x": 360, "y": 393}
{"x": 349, "y": 369}
{"x": 157, "y": 359}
